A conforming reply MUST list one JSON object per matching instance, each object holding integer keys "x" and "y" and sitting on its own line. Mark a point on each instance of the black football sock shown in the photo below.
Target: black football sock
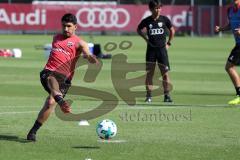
{"x": 59, "y": 99}
{"x": 166, "y": 93}
{"x": 237, "y": 91}
{"x": 149, "y": 94}
{"x": 35, "y": 127}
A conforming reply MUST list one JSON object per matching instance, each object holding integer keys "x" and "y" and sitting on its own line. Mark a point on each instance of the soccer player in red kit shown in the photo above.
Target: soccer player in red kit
{"x": 58, "y": 72}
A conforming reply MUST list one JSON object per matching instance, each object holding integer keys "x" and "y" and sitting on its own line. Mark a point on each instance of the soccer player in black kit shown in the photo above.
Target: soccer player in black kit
{"x": 157, "y": 27}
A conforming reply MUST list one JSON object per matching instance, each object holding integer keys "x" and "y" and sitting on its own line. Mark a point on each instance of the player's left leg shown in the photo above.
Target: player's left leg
{"x": 232, "y": 72}
{"x": 166, "y": 87}
{"x": 58, "y": 95}
{"x": 163, "y": 64}
{"x": 233, "y": 61}
{"x": 57, "y": 86}
{"x": 46, "y": 110}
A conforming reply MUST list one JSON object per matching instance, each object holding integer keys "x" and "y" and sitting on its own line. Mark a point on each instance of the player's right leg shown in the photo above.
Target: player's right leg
{"x": 51, "y": 85}
{"x": 150, "y": 68}
{"x": 43, "y": 115}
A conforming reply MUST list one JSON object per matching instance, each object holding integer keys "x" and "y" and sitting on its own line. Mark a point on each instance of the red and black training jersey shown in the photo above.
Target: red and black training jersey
{"x": 64, "y": 55}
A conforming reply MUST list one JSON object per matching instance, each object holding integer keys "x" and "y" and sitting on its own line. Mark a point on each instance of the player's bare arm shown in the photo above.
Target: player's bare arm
{"x": 237, "y": 31}
{"x": 142, "y": 34}
{"x": 170, "y": 37}
{"x": 227, "y": 27}
{"x": 83, "y": 46}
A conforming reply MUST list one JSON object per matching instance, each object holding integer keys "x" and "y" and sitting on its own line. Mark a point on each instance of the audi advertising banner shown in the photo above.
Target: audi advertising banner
{"x": 125, "y": 18}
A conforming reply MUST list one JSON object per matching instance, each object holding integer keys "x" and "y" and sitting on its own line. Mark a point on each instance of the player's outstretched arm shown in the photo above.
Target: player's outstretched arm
{"x": 85, "y": 50}
{"x": 218, "y": 29}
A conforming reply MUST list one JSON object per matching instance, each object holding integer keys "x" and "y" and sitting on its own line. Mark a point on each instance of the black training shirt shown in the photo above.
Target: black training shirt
{"x": 156, "y": 29}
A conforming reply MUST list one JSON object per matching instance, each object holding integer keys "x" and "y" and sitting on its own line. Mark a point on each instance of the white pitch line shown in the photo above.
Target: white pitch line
{"x": 162, "y": 105}
{"x": 146, "y": 106}
{"x": 112, "y": 141}
{"x": 4, "y": 113}
{"x": 20, "y": 106}
{"x": 130, "y": 108}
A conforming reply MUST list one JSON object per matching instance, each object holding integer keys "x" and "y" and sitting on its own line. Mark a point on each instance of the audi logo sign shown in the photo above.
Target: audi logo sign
{"x": 89, "y": 17}
{"x": 103, "y": 17}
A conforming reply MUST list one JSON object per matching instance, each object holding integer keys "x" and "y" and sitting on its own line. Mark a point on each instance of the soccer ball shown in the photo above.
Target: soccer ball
{"x": 106, "y": 129}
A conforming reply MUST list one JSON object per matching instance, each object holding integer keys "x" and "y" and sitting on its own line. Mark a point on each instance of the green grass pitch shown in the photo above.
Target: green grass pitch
{"x": 199, "y": 125}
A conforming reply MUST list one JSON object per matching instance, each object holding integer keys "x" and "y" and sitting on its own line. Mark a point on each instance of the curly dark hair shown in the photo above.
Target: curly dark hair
{"x": 69, "y": 17}
{"x": 154, "y": 3}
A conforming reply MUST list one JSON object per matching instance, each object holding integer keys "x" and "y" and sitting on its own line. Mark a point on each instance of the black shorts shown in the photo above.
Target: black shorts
{"x": 63, "y": 81}
{"x": 159, "y": 55}
{"x": 234, "y": 56}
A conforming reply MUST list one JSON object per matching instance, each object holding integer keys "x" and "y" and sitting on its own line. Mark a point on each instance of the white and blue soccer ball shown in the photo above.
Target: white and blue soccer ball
{"x": 106, "y": 129}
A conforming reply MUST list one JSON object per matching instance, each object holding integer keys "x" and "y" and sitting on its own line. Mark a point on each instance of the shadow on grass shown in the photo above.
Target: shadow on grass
{"x": 13, "y": 138}
{"x": 86, "y": 147}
